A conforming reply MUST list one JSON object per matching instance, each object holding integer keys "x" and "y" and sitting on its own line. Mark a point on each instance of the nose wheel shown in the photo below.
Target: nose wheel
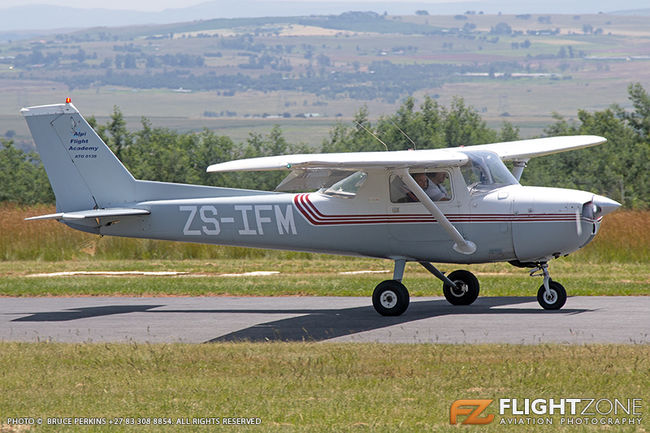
{"x": 551, "y": 295}
{"x": 553, "y": 298}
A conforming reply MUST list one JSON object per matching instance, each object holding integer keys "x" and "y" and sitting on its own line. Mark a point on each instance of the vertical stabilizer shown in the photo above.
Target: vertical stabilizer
{"x": 83, "y": 171}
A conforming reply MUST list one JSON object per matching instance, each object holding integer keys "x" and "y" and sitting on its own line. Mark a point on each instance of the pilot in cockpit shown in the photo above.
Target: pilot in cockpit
{"x": 432, "y": 185}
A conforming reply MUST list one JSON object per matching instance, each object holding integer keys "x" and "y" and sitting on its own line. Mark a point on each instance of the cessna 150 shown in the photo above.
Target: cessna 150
{"x": 372, "y": 204}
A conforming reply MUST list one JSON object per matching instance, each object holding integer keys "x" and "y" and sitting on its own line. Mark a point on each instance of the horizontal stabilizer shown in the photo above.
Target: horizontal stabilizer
{"x": 91, "y": 213}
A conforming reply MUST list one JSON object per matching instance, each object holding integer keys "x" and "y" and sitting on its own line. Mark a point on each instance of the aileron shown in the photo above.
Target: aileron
{"x": 525, "y": 149}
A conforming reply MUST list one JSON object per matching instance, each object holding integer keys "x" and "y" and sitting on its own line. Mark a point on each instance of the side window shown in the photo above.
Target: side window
{"x": 435, "y": 184}
{"x": 347, "y": 187}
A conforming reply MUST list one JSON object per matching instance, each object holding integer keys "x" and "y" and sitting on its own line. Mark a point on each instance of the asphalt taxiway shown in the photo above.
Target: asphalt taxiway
{"x": 519, "y": 320}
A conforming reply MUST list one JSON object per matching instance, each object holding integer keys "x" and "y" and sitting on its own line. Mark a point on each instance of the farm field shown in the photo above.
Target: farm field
{"x": 235, "y": 76}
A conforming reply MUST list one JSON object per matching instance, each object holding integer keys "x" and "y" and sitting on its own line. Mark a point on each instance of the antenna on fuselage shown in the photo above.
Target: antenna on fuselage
{"x": 371, "y": 133}
{"x": 415, "y": 147}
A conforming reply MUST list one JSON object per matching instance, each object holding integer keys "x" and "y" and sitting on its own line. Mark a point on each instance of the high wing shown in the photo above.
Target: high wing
{"x": 433, "y": 158}
{"x": 523, "y": 150}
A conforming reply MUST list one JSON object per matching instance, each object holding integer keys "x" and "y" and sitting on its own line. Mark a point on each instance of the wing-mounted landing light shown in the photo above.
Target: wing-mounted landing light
{"x": 462, "y": 245}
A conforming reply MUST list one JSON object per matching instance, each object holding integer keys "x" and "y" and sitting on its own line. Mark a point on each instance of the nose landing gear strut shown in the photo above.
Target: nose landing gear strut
{"x": 551, "y": 294}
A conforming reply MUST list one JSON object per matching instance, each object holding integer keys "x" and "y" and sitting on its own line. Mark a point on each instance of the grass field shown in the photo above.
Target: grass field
{"x": 301, "y": 387}
{"x": 309, "y": 387}
{"x": 305, "y": 277}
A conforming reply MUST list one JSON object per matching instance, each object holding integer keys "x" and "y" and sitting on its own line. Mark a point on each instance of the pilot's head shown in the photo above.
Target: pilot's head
{"x": 421, "y": 179}
{"x": 439, "y": 177}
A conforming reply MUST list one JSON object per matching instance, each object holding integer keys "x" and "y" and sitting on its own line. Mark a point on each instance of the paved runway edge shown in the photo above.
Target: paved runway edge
{"x": 515, "y": 320}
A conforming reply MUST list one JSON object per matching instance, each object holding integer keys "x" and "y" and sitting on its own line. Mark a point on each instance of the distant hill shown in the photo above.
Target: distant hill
{"x": 637, "y": 12}
{"x": 35, "y": 17}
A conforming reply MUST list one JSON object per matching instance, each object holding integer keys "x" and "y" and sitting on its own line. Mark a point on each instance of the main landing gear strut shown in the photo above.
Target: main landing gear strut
{"x": 391, "y": 297}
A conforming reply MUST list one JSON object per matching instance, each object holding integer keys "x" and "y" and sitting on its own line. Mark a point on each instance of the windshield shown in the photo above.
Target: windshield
{"x": 485, "y": 171}
{"x": 349, "y": 186}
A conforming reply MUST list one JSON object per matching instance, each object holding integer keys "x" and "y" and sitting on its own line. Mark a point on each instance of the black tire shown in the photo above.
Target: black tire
{"x": 467, "y": 291}
{"x": 390, "y": 298}
{"x": 556, "y": 299}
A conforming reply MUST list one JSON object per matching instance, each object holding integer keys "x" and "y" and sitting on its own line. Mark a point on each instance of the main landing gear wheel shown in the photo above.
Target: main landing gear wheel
{"x": 554, "y": 299}
{"x": 466, "y": 290}
{"x": 390, "y": 298}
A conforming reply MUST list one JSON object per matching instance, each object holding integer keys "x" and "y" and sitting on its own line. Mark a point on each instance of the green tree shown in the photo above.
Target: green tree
{"x": 358, "y": 138}
{"x": 410, "y": 129}
{"x": 114, "y": 133}
{"x": 433, "y": 126}
{"x": 208, "y": 149}
{"x": 639, "y": 119}
{"x": 508, "y": 132}
{"x": 157, "y": 153}
{"x": 22, "y": 176}
{"x": 618, "y": 168}
{"x": 463, "y": 126}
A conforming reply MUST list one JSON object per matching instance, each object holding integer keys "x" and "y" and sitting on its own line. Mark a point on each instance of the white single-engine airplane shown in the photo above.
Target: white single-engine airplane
{"x": 456, "y": 205}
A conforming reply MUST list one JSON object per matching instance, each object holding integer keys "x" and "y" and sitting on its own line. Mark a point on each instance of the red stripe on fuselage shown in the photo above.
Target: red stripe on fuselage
{"x": 316, "y": 217}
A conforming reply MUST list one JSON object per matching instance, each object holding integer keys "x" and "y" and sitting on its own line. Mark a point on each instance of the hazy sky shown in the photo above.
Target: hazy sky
{"x": 142, "y": 5}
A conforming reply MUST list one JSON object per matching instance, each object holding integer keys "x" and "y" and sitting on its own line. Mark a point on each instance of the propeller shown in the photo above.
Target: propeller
{"x": 604, "y": 205}
{"x": 598, "y": 207}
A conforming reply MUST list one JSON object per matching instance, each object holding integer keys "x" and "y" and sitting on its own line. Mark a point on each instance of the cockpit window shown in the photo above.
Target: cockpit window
{"x": 435, "y": 184}
{"x": 348, "y": 186}
{"x": 485, "y": 171}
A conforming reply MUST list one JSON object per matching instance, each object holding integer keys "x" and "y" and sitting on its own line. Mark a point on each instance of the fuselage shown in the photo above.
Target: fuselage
{"x": 511, "y": 222}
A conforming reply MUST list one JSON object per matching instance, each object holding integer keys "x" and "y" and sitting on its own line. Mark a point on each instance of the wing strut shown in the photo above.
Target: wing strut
{"x": 518, "y": 169}
{"x": 462, "y": 245}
